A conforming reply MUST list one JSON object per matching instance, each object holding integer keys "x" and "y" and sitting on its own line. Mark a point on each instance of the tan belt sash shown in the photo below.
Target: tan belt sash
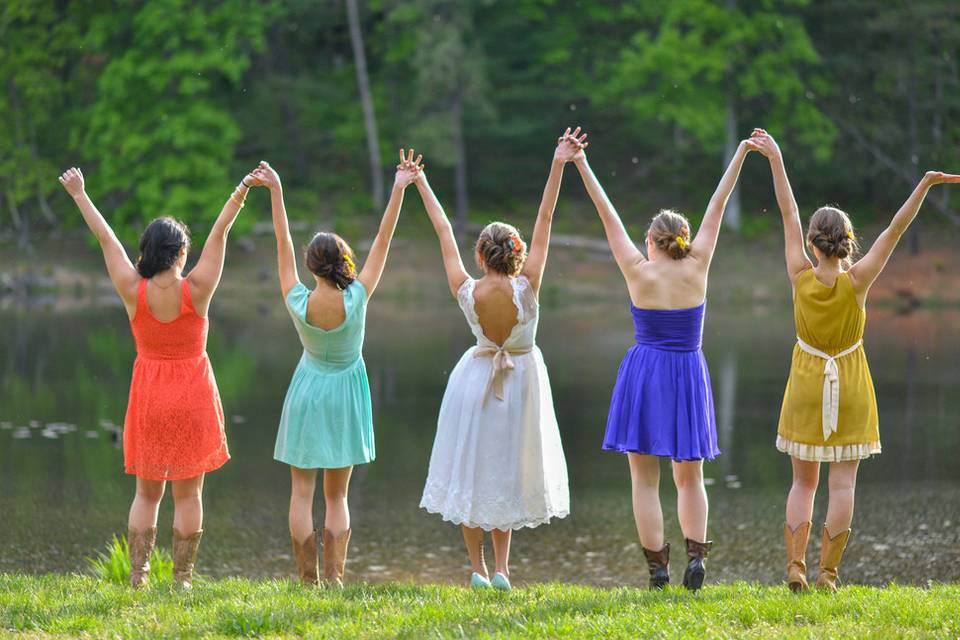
{"x": 831, "y": 384}
{"x": 502, "y": 363}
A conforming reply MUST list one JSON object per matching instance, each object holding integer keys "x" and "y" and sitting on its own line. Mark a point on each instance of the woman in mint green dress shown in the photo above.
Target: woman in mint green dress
{"x": 327, "y": 421}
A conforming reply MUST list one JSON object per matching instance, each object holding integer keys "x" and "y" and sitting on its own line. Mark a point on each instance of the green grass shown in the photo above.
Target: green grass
{"x": 85, "y": 606}
{"x": 113, "y": 563}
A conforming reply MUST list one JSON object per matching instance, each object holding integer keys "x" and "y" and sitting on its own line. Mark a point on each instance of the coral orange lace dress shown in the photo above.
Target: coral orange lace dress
{"x": 174, "y": 424}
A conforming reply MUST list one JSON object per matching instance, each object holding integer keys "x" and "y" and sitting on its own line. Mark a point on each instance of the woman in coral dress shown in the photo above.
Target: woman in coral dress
{"x": 174, "y": 424}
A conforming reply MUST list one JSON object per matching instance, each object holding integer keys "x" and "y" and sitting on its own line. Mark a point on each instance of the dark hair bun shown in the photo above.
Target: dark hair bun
{"x": 329, "y": 257}
{"x": 161, "y": 244}
{"x": 501, "y": 249}
{"x": 670, "y": 232}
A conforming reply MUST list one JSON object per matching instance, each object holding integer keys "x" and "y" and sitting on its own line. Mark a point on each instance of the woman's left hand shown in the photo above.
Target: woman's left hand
{"x": 408, "y": 170}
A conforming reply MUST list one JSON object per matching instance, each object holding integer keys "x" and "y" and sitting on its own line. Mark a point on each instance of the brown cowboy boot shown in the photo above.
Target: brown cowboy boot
{"x": 796, "y": 543}
{"x": 830, "y": 555}
{"x": 184, "y": 555}
{"x": 141, "y": 546}
{"x": 306, "y": 555}
{"x": 658, "y": 562}
{"x": 334, "y": 557}
{"x": 696, "y": 569}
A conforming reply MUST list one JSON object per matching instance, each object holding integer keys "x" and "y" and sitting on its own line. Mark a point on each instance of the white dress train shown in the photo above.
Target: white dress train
{"x": 497, "y": 460}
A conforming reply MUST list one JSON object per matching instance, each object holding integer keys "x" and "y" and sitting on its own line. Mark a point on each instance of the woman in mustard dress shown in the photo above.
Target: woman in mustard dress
{"x": 829, "y": 411}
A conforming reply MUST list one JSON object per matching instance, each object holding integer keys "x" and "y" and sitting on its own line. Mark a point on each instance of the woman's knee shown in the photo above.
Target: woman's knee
{"x": 688, "y": 474}
{"x": 187, "y": 490}
{"x": 150, "y": 491}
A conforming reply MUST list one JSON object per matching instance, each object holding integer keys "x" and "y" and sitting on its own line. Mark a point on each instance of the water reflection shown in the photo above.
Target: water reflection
{"x": 64, "y": 375}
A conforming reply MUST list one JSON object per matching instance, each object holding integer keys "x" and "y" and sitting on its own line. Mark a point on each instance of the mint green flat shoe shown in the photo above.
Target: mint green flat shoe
{"x": 500, "y": 582}
{"x": 477, "y": 581}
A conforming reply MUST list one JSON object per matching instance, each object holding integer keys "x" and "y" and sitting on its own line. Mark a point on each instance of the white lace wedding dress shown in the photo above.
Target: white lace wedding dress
{"x": 497, "y": 461}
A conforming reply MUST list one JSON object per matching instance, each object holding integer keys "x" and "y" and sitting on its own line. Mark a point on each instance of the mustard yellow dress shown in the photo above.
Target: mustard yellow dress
{"x": 829, "y": 411}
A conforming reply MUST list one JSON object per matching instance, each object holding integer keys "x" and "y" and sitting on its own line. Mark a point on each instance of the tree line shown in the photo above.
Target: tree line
{"x": 166, "y": 103}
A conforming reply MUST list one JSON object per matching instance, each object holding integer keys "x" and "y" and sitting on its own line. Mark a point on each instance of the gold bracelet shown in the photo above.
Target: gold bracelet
{"x": 239, "y": 202}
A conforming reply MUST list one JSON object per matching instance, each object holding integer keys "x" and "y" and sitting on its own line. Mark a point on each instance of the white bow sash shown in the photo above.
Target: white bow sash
{"x": 502, "y": 362}
{"x": 831, "y": 384}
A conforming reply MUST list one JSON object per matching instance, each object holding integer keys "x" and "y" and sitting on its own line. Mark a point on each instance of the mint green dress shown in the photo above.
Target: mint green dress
{"x": 327, "y": 421}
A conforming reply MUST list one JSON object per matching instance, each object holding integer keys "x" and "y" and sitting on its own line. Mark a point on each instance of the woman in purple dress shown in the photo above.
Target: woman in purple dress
{"x": 662, "y": 405}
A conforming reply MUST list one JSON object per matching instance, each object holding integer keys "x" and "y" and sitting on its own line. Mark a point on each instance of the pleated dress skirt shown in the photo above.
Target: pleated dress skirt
{"x": 662, "y": 401}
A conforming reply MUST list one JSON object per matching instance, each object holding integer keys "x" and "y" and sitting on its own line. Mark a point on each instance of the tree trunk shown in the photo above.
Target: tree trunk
{"x": 914, "y": 157}
{"x": 366, "y": 101}
{"x": 461, "y": 168}
{"x": 732, "y": 216}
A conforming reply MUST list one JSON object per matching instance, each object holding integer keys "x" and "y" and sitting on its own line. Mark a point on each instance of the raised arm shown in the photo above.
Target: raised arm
{"x": 866, "y": 270}
{"x": 452, "y": 264}
{"x": 205, "y": 276}
{"x": 568, "y": 146}
{"x": 793, "y": 242}
{"x": 705, "y": 241}
{"x": 625, "y": 252}
{"x": 265, "y": 175}
{"x": 407, "y": 172}
{"x": 122, "y": 272}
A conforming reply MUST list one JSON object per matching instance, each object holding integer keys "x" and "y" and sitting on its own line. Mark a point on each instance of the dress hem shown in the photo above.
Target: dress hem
{"x": 129, "y": 470}
{"x": 640, "y": 452}
{"x": 326, "y": 466}
{"x": 827, "y": 453}
{"x": 525, "y": 523}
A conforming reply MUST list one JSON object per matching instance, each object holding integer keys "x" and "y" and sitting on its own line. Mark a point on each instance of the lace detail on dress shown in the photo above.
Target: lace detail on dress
{"x": 501, "y": 513}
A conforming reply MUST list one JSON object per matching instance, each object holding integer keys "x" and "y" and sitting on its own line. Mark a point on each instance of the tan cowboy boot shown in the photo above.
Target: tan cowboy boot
{"x": 830, "y": 555}
{"x": 306, "y": 555}
{"x": 334, "y": 557}
{"x": 184, "y": 555}
{"x": 141, "y": 546}
{"x": 796, "y": 543}
{"x": 658, "y": 563}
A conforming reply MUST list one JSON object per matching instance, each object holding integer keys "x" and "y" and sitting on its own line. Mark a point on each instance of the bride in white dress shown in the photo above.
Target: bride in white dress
{"x": 497, "y": 461}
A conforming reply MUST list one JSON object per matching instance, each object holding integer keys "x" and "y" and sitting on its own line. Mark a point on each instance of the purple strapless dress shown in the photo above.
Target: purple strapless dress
{"x": 662, "y": 402}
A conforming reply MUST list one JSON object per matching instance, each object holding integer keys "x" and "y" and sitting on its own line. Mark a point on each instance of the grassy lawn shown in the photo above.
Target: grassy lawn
{"x": 84, "y": 606}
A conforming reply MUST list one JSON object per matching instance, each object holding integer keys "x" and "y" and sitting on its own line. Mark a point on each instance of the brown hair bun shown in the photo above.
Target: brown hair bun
{"x": 330, "y": 257}
{"x": 501, "y": 249}
{"x": 670, "y": 232}
{"x": 832, "y": 233}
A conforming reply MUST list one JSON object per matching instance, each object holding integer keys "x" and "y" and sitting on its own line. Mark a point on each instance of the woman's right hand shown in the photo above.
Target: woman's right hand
{"x": 939, "y": 177}
{"x": 408, "y": 171}
{"x": 266, "y": 176}
{"x": 764, "y": 143}
{"x": 570, "y": 146}
{"x": 72, "y": 181}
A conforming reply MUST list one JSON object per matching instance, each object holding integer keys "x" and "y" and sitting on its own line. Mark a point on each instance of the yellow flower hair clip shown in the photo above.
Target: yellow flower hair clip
{"x": 682, "y": 242}
{"x": 347, "y": 259}
{"x": 850, "y": 235}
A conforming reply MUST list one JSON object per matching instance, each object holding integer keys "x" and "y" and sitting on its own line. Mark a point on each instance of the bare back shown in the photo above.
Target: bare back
{"x": 665, "y": 283}
{"x": 325, "y": 308}
{"x": 495, "y": 307}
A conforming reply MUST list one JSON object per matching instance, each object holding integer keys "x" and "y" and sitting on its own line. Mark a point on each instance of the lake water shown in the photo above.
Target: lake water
{"x": 65, "y": 367}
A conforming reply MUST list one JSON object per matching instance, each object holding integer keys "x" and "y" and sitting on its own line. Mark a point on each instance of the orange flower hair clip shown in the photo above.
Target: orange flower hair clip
{"x": 515, "y": 244}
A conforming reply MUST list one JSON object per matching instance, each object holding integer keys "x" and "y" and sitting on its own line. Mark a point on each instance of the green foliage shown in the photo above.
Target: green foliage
{"x": 166, "y": 103}
{"x": 160, "y": 129}
{"x": 113, "y": 563}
